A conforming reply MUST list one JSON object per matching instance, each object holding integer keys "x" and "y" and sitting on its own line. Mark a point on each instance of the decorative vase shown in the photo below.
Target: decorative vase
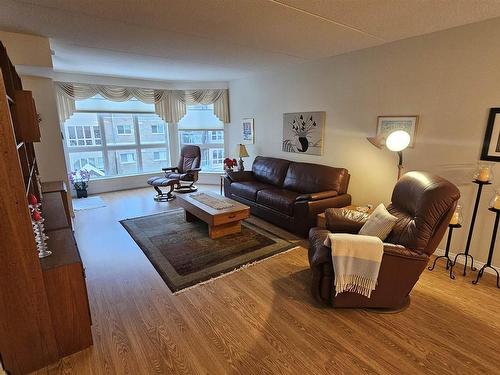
{"x": 81, "y": 193}
{"x": 304, "y": 143}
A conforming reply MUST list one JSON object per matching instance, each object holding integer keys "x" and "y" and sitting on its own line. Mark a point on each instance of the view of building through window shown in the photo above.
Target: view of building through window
{"x": 110, "y": 143}
{"x": 116, "y": 144}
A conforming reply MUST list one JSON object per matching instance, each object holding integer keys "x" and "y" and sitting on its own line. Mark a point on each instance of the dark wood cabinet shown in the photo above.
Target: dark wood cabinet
{"x": 64, "y": 278}
{"x": 26, "y": 118}
{"x": 44, "y": 310}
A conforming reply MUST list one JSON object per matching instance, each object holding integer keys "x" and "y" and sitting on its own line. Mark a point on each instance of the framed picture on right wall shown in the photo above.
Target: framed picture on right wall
{"x": 491, "y": 143}
{"x": 387, "y": 124}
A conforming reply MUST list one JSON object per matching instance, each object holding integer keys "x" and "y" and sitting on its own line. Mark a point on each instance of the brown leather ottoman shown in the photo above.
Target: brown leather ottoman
{"x": 157, "y": 182}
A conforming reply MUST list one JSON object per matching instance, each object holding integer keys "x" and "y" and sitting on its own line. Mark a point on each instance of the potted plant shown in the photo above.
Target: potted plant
{"x": 80, "y": 181}
{"x": 229, "y": 164}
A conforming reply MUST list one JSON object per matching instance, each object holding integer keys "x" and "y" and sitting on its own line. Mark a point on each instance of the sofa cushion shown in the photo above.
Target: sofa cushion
{"x": 247, "y": 189}
{"x": 313, "y": 178}
{"x": 270, "y": 170}
{"x": 278, "y": 199}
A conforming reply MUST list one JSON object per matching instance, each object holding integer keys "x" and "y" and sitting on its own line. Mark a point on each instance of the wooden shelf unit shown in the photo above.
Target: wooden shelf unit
{"x": 44, "y": 311}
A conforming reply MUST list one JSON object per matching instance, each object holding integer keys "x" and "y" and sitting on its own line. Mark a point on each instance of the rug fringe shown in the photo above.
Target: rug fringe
{"x": 237, "y": 269}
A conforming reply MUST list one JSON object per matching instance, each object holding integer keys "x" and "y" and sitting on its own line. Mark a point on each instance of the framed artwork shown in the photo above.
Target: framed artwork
{"x": 247, "y": 131}
{"x": 491, "y": 143}
{"x": 303, "y": 132}
{"x": 388, "y": 124}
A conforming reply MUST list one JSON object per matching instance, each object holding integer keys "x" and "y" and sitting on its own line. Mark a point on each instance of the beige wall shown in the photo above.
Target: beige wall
{"x": 450, "y": 79}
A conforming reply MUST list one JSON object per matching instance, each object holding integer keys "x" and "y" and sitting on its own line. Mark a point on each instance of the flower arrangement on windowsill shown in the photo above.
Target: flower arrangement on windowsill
{"x": 80, "y": 181}
{"x": 229, "y": 164}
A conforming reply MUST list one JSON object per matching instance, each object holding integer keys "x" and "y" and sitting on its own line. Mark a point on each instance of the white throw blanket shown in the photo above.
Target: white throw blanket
{"x": 356, "y": 262}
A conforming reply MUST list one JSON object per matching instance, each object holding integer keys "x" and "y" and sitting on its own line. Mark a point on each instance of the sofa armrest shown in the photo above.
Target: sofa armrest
{"x": 240, "y": 176}
{"x": 317, "y": 196}
{"x": 341, "y": 220}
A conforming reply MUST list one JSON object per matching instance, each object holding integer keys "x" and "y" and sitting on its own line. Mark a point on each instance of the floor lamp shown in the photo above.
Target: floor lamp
{"x": 396, "y": 141}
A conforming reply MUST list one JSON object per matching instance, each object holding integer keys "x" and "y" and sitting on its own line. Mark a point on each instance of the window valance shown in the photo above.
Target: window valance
{"x": 170, "y": 105}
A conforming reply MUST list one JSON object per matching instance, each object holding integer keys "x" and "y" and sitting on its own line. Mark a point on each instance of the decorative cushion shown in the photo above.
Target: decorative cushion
{"x": 379, "y": 223}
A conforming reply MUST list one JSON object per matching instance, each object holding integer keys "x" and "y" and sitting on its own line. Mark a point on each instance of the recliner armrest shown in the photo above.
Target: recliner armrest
{"x": 403, "y": 252}
{"x": 192, "y": 170}
{"x": 240, "y": 176}
{"x": 317, "y": 196}
{"x": 341, "y": 220}
{"x": 172, "y": 169}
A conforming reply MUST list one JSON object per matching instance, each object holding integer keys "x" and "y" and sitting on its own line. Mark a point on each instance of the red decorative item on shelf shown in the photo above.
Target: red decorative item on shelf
{"x": 36, "y": 216}
{"x": 229, "y": 164}
{"x": 32, "y": 200}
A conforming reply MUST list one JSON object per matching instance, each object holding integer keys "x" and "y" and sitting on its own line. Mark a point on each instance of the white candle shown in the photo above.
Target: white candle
{"x": 484, "y": 174}
{"x": 454, "y": 219}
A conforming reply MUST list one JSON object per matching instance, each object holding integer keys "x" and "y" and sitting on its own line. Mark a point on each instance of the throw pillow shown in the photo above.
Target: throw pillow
{"x": 379, "y": 223}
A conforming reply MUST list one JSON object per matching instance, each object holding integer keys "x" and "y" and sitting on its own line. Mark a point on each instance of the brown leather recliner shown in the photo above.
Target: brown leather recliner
{"x": 424, "y": 204}
{"x": 187, "y": 169}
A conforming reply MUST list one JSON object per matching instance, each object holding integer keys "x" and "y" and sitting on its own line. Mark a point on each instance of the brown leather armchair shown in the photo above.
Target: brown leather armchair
{"x": 424, "y": 204}
{"x": 187, "y": 170}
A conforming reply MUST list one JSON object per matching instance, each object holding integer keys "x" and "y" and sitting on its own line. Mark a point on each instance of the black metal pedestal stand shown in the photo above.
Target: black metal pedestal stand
{"x": 447, "y": 251}
{"x": 492, "y": 248}
{"x": 471, "y": 229}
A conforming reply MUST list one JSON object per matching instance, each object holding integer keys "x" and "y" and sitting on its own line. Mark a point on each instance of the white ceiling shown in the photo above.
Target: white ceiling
{"x": 221, "y": 40}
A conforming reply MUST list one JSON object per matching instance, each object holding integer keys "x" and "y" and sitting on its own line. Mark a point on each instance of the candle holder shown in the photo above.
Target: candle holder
{"x": 465, "y": 253}
{"x": 492, "y": 249}
{"x": 483, "y": 172}
{"x": 447, "y": 251}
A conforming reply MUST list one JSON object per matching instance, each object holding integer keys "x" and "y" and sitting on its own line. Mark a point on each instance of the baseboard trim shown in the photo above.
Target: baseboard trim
{"x": 477, "y": 263}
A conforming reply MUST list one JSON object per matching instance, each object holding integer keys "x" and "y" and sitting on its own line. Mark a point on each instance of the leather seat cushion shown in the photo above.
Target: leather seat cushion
{"x": 278, "y": 199}
{"x": 162, "y": 181}
{"x": 247, "y": 189}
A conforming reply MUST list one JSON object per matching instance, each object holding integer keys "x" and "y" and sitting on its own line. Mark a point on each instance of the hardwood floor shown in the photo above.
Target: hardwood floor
{"x": 262, "y": 320}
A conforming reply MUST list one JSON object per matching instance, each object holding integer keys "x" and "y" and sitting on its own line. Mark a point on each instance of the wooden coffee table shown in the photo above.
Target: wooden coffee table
{"x": 220, "y": 222}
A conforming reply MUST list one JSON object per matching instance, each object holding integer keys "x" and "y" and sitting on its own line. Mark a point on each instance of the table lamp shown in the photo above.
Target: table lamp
{"x": 242, "y": 152}
{"x": 396, "y": 141}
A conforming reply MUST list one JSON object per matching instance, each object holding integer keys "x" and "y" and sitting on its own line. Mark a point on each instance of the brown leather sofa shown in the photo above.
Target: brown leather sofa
{"x": 287, "y": 193}
{"x": 424, "y": 204}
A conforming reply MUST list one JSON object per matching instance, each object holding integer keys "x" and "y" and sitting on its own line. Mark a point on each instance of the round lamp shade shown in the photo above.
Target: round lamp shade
{"x": 397, "y": 141}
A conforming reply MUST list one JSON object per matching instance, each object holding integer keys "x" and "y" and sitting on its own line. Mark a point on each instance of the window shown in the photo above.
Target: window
{"x": 126, "y": 138}
{"x": 216, "y": 136}
{"x": 200, "y": 127}
{"x": 217, "y": 157}
{"x": 116, "y": 144}
{"x": 157, "y": 129}
{"x": 159, "y": 155}
{"x": 127, "y": 157}
{"x": 124, "y": 129}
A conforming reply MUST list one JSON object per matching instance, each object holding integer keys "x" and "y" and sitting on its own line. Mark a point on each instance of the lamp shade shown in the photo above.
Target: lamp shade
{"x": 398, "y": 140}
{"x": 241, "y": 151}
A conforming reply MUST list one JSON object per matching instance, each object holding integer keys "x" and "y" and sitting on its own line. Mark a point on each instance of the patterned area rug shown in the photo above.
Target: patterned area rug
{"x": 184, "y": 255}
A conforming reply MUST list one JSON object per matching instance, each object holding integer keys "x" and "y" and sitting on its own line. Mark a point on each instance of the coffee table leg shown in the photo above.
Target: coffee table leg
{"x": 190, "y": 217}
{"x": 217, "y": 231}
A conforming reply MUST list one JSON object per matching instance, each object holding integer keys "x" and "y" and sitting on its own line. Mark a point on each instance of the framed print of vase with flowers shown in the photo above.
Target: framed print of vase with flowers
{"x": 303, "y": 132}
